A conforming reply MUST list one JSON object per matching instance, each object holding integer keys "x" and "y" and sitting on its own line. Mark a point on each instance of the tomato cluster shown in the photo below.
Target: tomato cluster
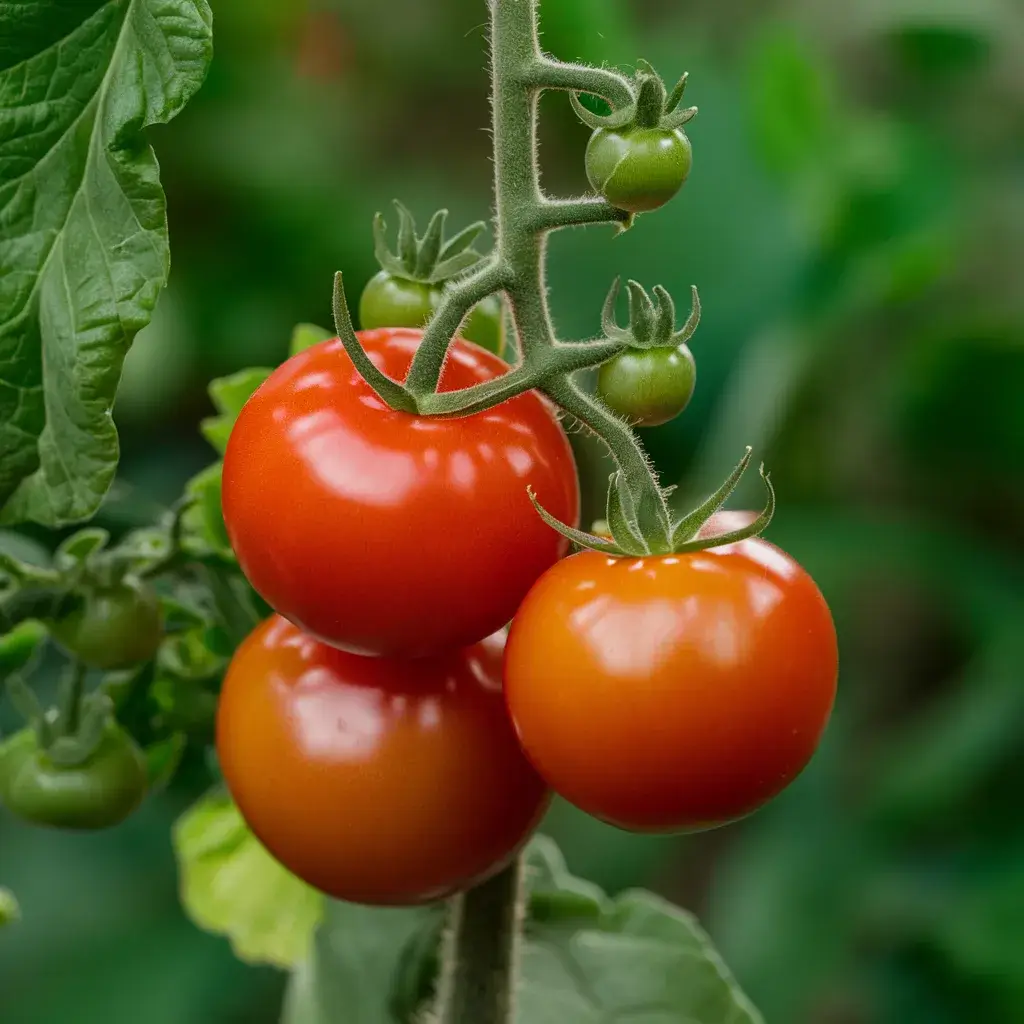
{"x": 377, "y": 733}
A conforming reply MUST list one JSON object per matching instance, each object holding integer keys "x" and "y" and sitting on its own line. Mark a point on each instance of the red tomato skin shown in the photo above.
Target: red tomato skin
{"x": 375, "y": 780}
{"x": 673, "y": 693}
{"x": 385, "y": 533}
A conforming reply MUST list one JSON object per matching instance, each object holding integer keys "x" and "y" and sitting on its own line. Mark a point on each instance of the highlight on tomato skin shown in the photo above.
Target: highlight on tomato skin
{"x": 384, "y": 533}
{"x": 672, "y": 693}
{"x": 376, "y": 780}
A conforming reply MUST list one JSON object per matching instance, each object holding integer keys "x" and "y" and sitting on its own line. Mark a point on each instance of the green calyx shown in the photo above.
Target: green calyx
{"x": 651, "y": 105}
{"x": 430, "y": 259}
{"x": 628, "y": 536}
{"x": 72, "y": 731}
{"x": 652, "y": 322}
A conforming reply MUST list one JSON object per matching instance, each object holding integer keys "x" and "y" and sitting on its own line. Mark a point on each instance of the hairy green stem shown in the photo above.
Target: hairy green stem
{"x": 478, "y": 963}
{"x": 545, "y": 73}
{"x": 459, "y": 298}
{"x": 651, "y": 509}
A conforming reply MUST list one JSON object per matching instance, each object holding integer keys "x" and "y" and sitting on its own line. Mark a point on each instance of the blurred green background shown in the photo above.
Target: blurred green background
{"x": 855, "y": 224}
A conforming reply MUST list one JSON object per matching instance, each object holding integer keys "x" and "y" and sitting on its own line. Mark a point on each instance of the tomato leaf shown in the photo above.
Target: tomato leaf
{"x": 228, "y": 395}
{"x": 203, "y": 534}
{"x": 586, "y": 959}
{"x": 230, "y": 885}
{"x": 305, "y": 336}
{"x": 590, "y": 960}
{"x": 83, "y": 227}
{"x": 9, "y": 910}
{"x": 361, "y": 971}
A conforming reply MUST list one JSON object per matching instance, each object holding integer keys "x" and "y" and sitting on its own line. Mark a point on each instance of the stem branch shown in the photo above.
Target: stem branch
{"x": 459, "y": 298}
{"x": 651, "y": 510}
{"x": 478, "y": 966}
{"x": 547, "y": 73}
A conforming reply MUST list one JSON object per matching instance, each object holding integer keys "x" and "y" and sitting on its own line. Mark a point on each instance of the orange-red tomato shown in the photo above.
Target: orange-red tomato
{"x": 672, "y": 693}
{"x": 386, "y": 533}
{"x": 375, "y": 780}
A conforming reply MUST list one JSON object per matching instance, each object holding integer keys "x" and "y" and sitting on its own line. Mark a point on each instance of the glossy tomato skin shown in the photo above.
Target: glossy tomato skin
{"x": 648, "y": 387}
{"x": 673, "y": 693}
{"x": 385, "y": 533}
{"x": 638, "y": 169}
{"x": 376, "y": 780}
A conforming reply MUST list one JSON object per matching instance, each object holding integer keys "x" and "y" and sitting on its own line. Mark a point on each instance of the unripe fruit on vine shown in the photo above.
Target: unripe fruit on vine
{"x": 648, "y": 387}
{"x": 638, "y": 169}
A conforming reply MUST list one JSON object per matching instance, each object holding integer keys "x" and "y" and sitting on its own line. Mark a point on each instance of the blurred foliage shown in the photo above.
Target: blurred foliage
{"x": 855, "y": 223}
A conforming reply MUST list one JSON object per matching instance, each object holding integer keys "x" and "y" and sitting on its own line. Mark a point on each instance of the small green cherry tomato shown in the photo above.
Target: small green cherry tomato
{"x": 648, "y": 387}
{"x": 114, "y": 627}
{"x": 390, "y": 301}
{"x": 99, "y": 793}
{"x": 638, "y": 169}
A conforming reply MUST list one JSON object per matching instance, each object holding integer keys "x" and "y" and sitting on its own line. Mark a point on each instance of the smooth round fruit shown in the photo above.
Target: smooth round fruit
{"x": 638, "y": 169}
{"x": 648, "y": 387}
{"x": 672, "y": 693}
{"x": 375, "y": 780}
{"x": 113, "y": 627}
{"x": 389, "y": 301}
{"x": 97, "y": 794}
{"x": 385, "y": 533}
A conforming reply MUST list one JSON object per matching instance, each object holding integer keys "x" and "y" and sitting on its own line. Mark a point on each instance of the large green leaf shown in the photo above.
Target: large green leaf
{"x": 83, "y": 229}
{"x": 586, "y": 959}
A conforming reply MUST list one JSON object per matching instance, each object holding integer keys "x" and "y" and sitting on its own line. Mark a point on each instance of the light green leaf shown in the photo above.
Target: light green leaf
{"x": 202, "y": 525}
{"x": 83, "y": 229}
{"x": 9, "y": 909}
{"x": 231, "y": 885}
{"x": 229, "y": 394}
{"x": 306, "y": 335}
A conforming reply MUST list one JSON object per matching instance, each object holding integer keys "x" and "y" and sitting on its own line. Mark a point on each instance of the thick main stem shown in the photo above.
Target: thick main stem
{"x": 478, "y": 959}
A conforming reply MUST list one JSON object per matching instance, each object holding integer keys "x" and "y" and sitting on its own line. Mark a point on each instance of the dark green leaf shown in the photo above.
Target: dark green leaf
{"x": 84, "y": 231}
{"x": 162, "y": 760}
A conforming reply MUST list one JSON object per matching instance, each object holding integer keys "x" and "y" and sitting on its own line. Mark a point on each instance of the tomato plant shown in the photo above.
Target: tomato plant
{"x": 395, "y": 496}
{"x": 396, "y": 534}
{"x": 101, "y": 791}
{"x": 393, "y": 782}
{"x": 672, "y": 693}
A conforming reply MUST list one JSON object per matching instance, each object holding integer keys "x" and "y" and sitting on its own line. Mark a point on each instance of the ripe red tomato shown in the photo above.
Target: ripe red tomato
{"x": 672, "y": 693}
{"x": 385, "y": 533}
{"x": 376, "y": 780}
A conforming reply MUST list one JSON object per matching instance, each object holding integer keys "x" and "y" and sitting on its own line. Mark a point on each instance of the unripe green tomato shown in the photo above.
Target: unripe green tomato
{"x": 650, "y": 386}
{"x": 113, "y": 628}
{"x": 638, "y": 169}
{"x": 97, "y": 794}
{"x": 389, "y": 301}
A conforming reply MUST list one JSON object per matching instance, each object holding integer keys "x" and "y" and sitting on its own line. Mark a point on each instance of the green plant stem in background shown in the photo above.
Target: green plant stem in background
{"x": 478, "y": 975}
